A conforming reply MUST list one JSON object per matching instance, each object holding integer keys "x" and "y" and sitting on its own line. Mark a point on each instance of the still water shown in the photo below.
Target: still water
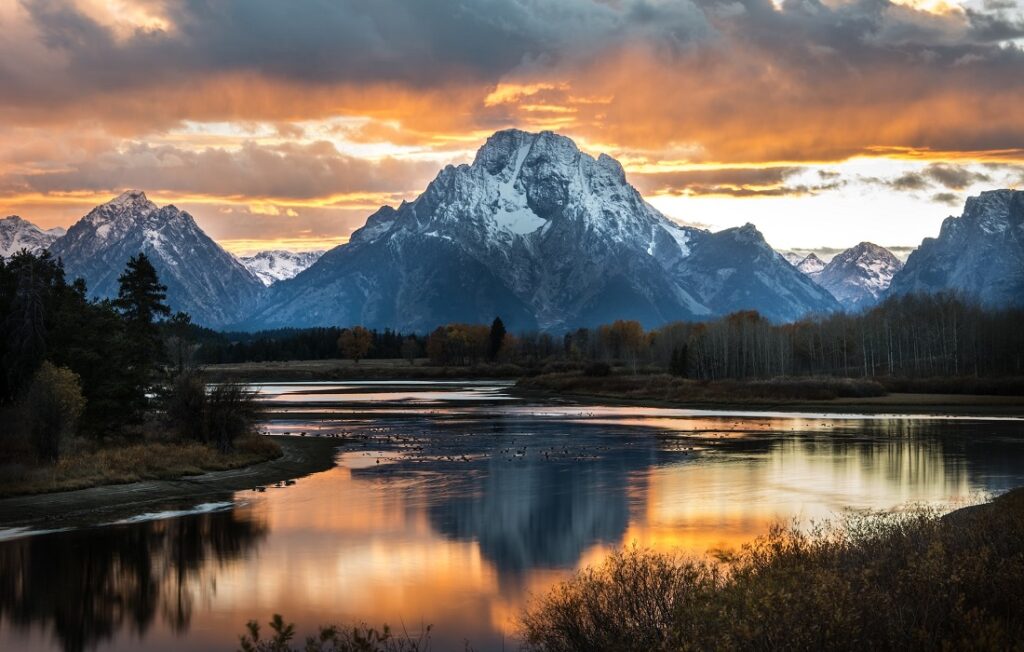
{"x": 452, "y": 503}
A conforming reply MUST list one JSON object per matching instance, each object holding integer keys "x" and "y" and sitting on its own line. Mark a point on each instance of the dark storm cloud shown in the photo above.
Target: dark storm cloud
{"x": 412, "y": 42}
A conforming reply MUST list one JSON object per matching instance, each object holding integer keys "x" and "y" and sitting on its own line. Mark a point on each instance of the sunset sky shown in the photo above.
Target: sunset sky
{"x": 284, "y": 124}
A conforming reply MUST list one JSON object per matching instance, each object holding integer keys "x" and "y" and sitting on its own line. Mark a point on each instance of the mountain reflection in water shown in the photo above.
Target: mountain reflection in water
{"x": 453, "y": 512}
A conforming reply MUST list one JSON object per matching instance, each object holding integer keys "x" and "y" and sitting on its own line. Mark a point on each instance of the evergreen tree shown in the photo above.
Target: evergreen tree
{"x": 497, "y": 338}
{"x": 140, "y": 300}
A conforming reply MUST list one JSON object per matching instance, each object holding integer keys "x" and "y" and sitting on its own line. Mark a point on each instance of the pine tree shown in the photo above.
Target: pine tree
{"x": 140, "y": 300}
{"x": 497, "y": 338}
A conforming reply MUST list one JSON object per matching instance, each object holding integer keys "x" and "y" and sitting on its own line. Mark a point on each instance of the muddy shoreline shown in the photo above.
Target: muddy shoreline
{"x": 300, "y": 456}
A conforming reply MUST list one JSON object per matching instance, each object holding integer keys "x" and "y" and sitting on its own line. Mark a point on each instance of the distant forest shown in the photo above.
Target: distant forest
{"x": 913, "y": 336}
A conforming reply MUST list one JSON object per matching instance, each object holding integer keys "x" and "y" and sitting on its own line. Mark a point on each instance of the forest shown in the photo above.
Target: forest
{"x": 81, "y": 377}
{"x": 913, "y": 336}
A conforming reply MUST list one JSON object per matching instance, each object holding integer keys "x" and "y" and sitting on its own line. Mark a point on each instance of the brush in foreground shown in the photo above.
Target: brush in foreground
{"x": 882, "y": 582}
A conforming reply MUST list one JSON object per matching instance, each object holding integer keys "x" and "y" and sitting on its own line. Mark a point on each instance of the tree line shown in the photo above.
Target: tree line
{"x": 75, "y": 368}
{"x": 912, "y": 336}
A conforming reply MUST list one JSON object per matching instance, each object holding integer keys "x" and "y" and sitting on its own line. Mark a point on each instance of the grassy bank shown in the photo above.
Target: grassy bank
{"x": 150, "y": 460}
{"x": 815, "y": 393}
{"x": 663, "y": 387}
{"x": 885, "y": 582}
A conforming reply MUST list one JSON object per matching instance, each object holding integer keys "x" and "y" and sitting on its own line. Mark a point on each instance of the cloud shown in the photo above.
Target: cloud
{"x": 744, "y": 81}
{"x": 734, "y": 182}
{"x": 948, "y": 198}
{"x": 947, "y": 176}
{"x": 281, "y": 172}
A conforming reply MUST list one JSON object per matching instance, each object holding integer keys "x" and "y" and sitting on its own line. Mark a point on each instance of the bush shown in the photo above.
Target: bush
{"x": 879, "y": 582}
{"x": 216, "y": 416}
{"x": 53, "y": 404}
{"x": 331, "y": 639}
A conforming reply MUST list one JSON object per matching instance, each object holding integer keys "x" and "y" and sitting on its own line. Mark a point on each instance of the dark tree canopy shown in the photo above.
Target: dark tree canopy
{"x": 497, "y": 338}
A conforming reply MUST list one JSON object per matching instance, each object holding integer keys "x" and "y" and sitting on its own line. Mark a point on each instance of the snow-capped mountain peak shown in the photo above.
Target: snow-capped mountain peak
{"x": 859, "y": 276}
{"x": 546, "y": 236}
{"x": 279, "y": 265}
{"x": 202, "y": 279}
{"x": 811, "y": 265}
{"x": 17, "y": 234}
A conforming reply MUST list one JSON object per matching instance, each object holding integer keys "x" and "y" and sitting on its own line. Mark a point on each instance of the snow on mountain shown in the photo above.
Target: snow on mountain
{"x": 979, "y": 254}
{"x": 277, "y": 265}
{"x": 544, "y": 235}
{"x": 792, "y": 257}
{"x": 811, "y": 265}
{"x": 201, "y": 278}
{"x": 17, "y": 234}
{"x": 859, "y": 276}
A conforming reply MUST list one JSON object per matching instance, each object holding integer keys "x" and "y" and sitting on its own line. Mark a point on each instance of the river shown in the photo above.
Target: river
{"x": 452, "y": 503}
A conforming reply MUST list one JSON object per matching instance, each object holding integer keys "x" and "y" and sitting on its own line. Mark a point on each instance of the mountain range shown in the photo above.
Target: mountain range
{"x": 546, "y": 236}
{"x": 538, "y": 232}
{"x": 857, "y": 277}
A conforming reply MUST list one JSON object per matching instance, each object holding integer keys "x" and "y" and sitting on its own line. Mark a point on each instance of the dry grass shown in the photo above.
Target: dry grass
{"x": 131, "y": 463}
{"x": 882, "y": 582}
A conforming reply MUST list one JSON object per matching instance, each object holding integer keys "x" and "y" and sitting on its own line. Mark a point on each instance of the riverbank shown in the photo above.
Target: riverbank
{"x": 124, "y": 464}
{"x": 882, "y": 581}
{"x": 388, "y": 369}
{"x": 799, "y": 396}
{"x": 299, "y": 456}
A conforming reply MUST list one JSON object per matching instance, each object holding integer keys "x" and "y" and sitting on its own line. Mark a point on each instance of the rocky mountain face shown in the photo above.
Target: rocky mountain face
{"x": 546, "y": 237}
{"x": 859, "y": 276}
{"x": 17, "y": 234}
{"x": 277, "y": 265}
{"x": 201, "y": 278}
{"x": 980, "y": 253}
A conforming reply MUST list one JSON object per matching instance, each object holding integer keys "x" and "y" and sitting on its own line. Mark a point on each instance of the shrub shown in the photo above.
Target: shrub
{"x": 216, "y": 416}
{"x": 881, "y": 582}
{"x": 331, "y": 639}
{"x": 53, "y": 404}
{"x": 231, "y": 412}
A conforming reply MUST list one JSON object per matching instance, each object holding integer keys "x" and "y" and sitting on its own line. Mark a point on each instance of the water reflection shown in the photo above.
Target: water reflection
{"x": 454, "y": 513}
{"x": 91, "y": 585}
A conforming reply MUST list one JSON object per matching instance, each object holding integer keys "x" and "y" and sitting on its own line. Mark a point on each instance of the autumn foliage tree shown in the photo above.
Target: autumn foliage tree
{"x": 355, "y": 343}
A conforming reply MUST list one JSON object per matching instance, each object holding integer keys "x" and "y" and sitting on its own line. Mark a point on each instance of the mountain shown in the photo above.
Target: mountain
{"x": 793, "y": 258}
{"x": 811, "y": 265}
{"x": 544, "y": 235}
{"x": 736, "y": 269}
{"x": 980, "y": 253}
{"x": 17, "y": 234}
{"x": 860, "y": 275}
{"x": 277, "y": 265}
{"x": 201, "y": 278}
